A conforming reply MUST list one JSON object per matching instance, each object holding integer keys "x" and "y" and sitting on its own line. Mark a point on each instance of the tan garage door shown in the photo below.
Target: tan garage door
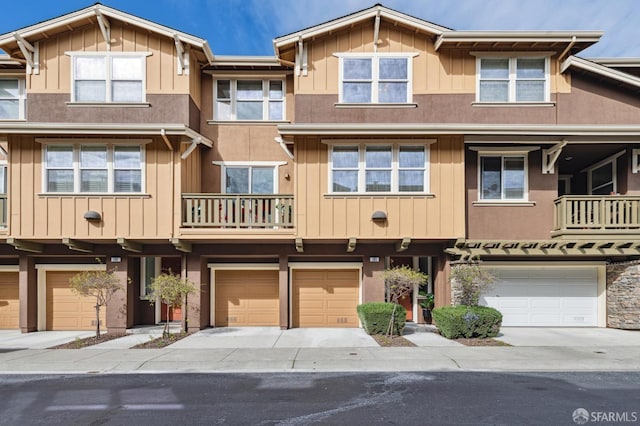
{"x": 9, "y": 300}
{"x": 247, "y": 298}
{"x": 325, "y": 298}
{"x": 65, "y": 309}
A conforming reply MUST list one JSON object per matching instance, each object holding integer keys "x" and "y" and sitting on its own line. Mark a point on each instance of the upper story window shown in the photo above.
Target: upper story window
{"x": 249, "y": 179}
{"x": 375, "y": 78}
{"x": 103, "y": 78}
{"x": 93, "y": 168}
{"x": 513, "y": 79}
{"x": 503, "y": 177}
{"x": 12, "y": 98}
{"x": 249, "y": 100}
{"x": 379, "y": 168}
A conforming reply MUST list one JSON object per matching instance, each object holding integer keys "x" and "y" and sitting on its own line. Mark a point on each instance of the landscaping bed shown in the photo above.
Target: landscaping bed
{"x": 392, "y": 341}
{"x": 481, "y": 342}
{"x": 161, "y": 342}
{"x": 88, "y": 341}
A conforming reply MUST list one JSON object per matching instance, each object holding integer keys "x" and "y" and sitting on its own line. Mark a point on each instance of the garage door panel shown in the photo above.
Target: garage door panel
{"x": 547, "y": 297}
{"x": 247, "y": 298}
{"x": 9, "y": 300}
{"x": 65, "y": 310}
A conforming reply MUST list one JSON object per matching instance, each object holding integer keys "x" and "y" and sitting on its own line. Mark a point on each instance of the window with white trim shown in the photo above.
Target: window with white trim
{"x": 513, "y": 79}
{"x": 93, "y": 168}
{"x": 105, "y": 78}
{"x": 249, "y": 100}
{"x": 379, "y": 169}
{"x": 375, "y": 78}
{"x": 503, "y": 177}
{"x": 249, "y": 179}
{"x": 602, "y": 179}
{"x": 12, "y": 98}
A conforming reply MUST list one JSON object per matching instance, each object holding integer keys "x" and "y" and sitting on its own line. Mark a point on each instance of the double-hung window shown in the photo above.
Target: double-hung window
{"x": 104, "y": 78}
{"x": 503, "y": 177}
{"x": 93, "y": 168}
{"x": 12, "y": 98}
{"x": 249, "y": 100}
{"x": 379, "y": 169}
{"x": 375, "y": 78}
{"x": 513, "y": 79}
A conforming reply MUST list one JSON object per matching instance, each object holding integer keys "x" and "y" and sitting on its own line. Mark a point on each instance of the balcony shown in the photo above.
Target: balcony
{"x": 596, "y": 216}
{"x": 237, "y": 211}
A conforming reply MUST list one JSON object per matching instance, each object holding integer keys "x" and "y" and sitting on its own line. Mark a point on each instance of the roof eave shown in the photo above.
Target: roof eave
{"x": 604, "y": 71}
{"x": 588, "y": 37}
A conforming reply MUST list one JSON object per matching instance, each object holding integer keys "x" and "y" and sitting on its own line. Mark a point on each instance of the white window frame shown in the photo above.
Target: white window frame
{"x": 108, "y": 75}
{"x": 157, "y": 268}
{"x": 395, "y": 166}
{"x": 266, "y": 100}
{"x": 513, "y": 58}
{"x": 76, "y": 147}
{"x": 502, "y": 155}
{"x": 613, "y": 160}
{"x": 375, "y": 79}
{"x": 224, "y": 165}
{"x": 22, "y": 97}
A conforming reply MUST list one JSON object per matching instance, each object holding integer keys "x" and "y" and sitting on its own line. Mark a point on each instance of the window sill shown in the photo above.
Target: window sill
{"x": 252, "y": 122}
{"x": 95, "y": 194}
{"x": 380, "y": 105}
{"x": 378, "y": 194}
{"x": 4, "y": 120}
{"x": 109, "y": 104}
{"x": 513, "y": 104}
{"x": 498, "y": 203}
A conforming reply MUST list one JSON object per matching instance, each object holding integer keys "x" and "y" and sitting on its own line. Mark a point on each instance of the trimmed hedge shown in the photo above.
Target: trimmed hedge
{"x": 376, "y": 316}
{"x": 467, "y": 321}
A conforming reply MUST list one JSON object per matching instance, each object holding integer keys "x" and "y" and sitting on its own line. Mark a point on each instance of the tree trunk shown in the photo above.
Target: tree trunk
{"x": 97, "y": 321}
{"x": 165, "y": 333}
{"x": 185, "y": 319}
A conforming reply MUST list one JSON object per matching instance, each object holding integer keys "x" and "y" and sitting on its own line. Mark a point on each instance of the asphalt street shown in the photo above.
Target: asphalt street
{"x": 319, "y": 398}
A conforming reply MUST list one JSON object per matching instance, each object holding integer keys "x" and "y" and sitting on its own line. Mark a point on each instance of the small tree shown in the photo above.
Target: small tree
{"x": 171, "y": 290}
{"x": 99, "y": 284}
{"x": 468, "y": 282}
{"x": 400, "y": 282}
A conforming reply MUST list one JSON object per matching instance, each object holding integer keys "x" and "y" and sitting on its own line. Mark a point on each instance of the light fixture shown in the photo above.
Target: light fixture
{"x": 379, "y": 216}
{"x": 92, "y": 216}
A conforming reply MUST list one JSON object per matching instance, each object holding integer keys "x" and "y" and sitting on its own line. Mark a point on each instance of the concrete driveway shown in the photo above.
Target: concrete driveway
{"x": 273, "y": 337}
{"x": 569, "y": 337}
{"x": 15, "y": 339}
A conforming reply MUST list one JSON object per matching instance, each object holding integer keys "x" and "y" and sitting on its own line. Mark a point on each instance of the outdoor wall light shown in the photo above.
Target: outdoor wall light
{"x": 92, "y": 216}
{"x": 379, "y": 216}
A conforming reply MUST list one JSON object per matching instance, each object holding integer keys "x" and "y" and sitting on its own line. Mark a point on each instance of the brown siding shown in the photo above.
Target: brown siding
{"x": 50, "y": 108}
{"x": 34, "y": 215}
{"x": 341, "y": 216}
{"x": 512, "y": 223}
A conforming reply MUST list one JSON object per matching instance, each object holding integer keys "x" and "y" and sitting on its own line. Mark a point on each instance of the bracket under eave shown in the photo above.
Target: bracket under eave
{"x": 550, "y": 156}
{"x": 183, "y": 56}
{"x": 299, "y": 245}
{"x": 76, "y": 245}
{"x": 129, "y": 245}
{"x": 181, "y": 245}
{"x": 30, "y": 52}
{"x": 351, "y": 245}
{"x": 404, "y": 244}
{"x": 105, "y": 27}
{"x": 23, "y": 245}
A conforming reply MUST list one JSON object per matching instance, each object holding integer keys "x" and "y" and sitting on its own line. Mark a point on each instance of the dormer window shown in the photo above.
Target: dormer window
{"x": 375, "y": 78}
{"x": 108, "y": 78}
{"x": 513, "y": 79}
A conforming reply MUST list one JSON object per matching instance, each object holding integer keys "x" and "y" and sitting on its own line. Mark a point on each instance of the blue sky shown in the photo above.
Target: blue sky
{"x": 247, "y": 27}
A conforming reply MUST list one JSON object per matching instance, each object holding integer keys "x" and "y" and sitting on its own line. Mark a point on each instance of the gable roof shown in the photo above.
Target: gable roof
{"x": 354, "y": 18}
{"x": 45, "y": 29}
{"x": 601, "y": 70}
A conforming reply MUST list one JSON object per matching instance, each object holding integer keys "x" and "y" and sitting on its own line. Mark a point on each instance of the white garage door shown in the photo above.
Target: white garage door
{"x": 560, "y": 297}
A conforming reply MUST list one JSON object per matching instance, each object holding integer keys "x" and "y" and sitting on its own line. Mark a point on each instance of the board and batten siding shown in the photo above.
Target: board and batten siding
{"x": 161, "y": 71}
{"x": 35, "y": 215}
{"x": 434, "y": 72}
{"x": 323, "y": 215}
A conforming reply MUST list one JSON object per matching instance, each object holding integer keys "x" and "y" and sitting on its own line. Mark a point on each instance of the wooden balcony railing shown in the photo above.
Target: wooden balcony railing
{"x": 597, "y": 214}
{"x": 237, "y": 211}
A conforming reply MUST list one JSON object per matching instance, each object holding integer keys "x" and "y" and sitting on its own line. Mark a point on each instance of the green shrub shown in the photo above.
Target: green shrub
{"x": 467, "y": 321}
{"x": 376, "y": 316}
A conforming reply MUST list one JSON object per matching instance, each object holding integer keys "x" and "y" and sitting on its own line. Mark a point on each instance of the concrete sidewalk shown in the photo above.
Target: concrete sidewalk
{"x": 83, "y": 361}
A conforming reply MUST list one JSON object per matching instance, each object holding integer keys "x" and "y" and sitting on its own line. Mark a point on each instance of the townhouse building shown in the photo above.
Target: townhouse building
{"x": 284, "y": 186}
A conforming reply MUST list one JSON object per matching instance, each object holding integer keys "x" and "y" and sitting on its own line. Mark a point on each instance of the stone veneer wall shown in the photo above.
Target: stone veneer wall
{"x": 623, "y": 295}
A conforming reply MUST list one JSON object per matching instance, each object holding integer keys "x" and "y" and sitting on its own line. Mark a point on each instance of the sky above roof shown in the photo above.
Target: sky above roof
{"x": 247, "y": 27}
